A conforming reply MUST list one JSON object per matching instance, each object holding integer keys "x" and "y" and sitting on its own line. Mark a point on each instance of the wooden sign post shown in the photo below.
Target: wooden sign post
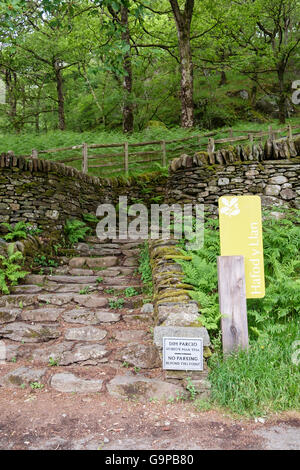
{"x": 240, "y": 266}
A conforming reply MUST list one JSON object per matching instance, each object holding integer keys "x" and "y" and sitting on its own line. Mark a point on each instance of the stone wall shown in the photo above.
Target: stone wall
{"x": 46, "y": 193}
{"x": 277, "y": 182}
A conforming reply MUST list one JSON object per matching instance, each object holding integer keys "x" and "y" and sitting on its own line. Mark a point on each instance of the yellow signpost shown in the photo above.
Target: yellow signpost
{"x": 241, "y": 235}
{"x": 240, "y": 266}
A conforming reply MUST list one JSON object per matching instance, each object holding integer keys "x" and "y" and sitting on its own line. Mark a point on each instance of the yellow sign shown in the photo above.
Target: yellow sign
{"x": 241, "y": 234}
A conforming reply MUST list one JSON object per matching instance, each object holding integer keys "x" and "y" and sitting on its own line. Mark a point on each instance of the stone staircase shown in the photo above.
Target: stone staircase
{"x": 83, "y": 327}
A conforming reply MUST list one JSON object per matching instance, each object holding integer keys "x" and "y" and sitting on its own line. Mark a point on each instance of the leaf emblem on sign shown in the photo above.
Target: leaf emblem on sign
{"x": 230, "y": 206}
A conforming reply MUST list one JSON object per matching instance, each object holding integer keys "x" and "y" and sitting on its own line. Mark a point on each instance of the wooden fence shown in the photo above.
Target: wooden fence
{"x": 127, "y": 157}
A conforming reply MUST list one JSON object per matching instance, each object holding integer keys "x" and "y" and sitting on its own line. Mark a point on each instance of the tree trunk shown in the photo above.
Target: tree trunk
{"x": 223, "y": 78}
{"x": 10, "y": 85}
{"x": 60, "y": 97}
{"x": 183, "y": 24}
{"x": 282, "y": 97}
{"x": 128, "y": 118}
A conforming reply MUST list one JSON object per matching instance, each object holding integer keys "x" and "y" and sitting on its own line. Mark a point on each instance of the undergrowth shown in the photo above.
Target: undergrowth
{"x": 265, "y": 378}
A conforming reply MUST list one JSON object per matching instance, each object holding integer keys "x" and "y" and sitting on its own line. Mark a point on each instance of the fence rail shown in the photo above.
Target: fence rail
{"x": 131, "y": 159}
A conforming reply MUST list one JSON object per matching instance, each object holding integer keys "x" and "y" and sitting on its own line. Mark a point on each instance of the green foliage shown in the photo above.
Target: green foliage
{"x": 282, "y": 268}
{"x": 145, "y": 270}
{"x": 99, "y": 279}
{"x": 19, "y": 231}
{"x": 75, "y": 230}
{"x": 262, "y": 380}
{"x": 36, "y": 386}
{"x": 90, "y": 218}
{"x": 11, "y": 269}
{"x": 84, "y": 291}
{"x": 43, "y": 260}
{"x": 130, "y": 292}
{"x": 116, "y": 304}
{"x": 53, "y": 362}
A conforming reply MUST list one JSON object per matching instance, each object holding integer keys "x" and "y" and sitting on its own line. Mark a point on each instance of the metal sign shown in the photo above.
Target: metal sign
{"x": 241, "y": 235}
{"x": 183, "y": 353}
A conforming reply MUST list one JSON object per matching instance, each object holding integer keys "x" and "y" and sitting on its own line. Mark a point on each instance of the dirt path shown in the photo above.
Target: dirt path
{"x": 44, "y": 419}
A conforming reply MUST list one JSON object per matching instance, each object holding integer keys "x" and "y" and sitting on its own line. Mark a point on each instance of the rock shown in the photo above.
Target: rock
{"x": 104, "y": 262}
{"x": 81, "y": 272}
{"x": 123, "y": 386}
{"x": 34, "y": 279}
{"x": 8, "y": 314}
{"x": 74, "y": 279}
{"x": 77, "y": 262}
{"x": 26, "y": 289}
{"x": 180, "y": 332}
{"x": 145, "y": 356}
{"x": 67, "y": 382}
{"x": 84, "y": 352}
{"x": 147, "y": 308}
{"x": 223, "y": 181}
{"x": 131, "y": 262}
{"x": 178, "y": 314}
{"x": 55, "y": 351}
{"x": 87, "y": 333}
{"x": 130, "y": 335}
{"x": 272, "y": 190}
{"x": 287, "y": 194}
{"x": 22, "y": 375}
{"x": 56, "y": 299}
{"x": 29, "y": 333}
{"x": 91, "y": 301}
{"x": 41, "y": 314}
{"x": 278, "y": 180}
{"x": 86, "y": 317}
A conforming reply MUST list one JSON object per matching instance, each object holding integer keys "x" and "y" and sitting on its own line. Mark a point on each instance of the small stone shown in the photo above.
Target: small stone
{"x": 272, "y": 190}
{"x": 55, "y": 351}
{"x": 84, "y": 352}
{"x": 87, "y": 333}
{"x": 67, "y": 382}
{"x": 287, "y": 194}
{"x": 278, "y": 180}
{"x": 130, "y": 335}
{"x": 145, "y": 356}
{"x": 124, "y": 386}
{"x": 223, "y": 181}
{"x": 29, "y": 333}
{"x": 147, "y": 308}
{"x": 104, "y": 262}
{"x": 22, "y": 375}
{"x": 91, "y": 301}
{"x": 8, "y": 314}
{"x": 41, "y": 314}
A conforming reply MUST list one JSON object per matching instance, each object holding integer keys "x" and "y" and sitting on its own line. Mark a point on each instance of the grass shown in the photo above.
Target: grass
{"x": 259, "y": 382}
{"x": 23, "y": 144}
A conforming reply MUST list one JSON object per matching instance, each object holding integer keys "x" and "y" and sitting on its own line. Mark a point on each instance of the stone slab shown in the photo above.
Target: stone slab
{"x": 180, "y": 332}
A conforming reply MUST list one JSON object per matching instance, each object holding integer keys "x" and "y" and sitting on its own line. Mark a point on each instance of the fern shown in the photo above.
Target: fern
{"x": 11, "y": 269}
{"x": 282, "y": 268}
{"x": 75, "y": 230}
{"x": 17, "y": 232}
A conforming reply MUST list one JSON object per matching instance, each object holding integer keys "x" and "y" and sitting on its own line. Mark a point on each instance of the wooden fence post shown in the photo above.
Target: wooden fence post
{"x": 231, "y": 132}
{"x": 211, "y": 149}
{"x": 126, "y": 154}
{"x": 164, "y": 153}
{"x": 233, "y": 304}
{"x": 34, "y": 153}
{"x": 85, "y": 164}
{"x": 270, "y": 133}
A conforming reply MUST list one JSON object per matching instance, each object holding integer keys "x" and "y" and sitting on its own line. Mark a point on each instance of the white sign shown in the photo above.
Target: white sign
{"x": 183, "y": 353}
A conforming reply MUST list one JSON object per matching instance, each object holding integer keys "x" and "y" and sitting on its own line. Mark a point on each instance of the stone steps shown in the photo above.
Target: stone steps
{"x": 50, "y": 320}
